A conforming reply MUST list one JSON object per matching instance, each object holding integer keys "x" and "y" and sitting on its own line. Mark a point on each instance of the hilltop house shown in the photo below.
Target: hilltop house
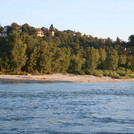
{"x": 81, "y": 34}
{"x": 39, "y": 33}
{"x": 5, "y": 29}
{"x": 3, "y": 34}
{"x": 52, "y": 33}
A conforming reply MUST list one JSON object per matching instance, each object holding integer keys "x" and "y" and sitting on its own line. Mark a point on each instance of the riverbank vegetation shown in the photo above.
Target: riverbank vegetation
{"x": 64, "y": 52}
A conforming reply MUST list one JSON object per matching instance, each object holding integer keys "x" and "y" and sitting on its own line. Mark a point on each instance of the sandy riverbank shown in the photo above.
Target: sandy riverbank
{"x": 59, "y": 78}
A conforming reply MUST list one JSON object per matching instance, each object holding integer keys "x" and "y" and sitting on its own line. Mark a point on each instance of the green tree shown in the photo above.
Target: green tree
{"x": 109, "y": 41}
{"x": 66, "y": 59}
{"x": 112, "y": 60}
{"x": 32, "y": 61}
{"x": 103, "y": 56}
{"x": 60, "y": 60}
{"x": 92, "y": 60}
{"x": 122, "y": 60}
{"x": 76, "y": 64}
{"x": 45, "y": 58}
{"x": 28, "y": 29}
{"x": 130, "y": 62}
{"x": 131, "y": 40}
{"x": 17, "y": 52}
{"x": 14, "y": 26}
{"x": 118, "y": 41}
{"x": 51, "y": 27}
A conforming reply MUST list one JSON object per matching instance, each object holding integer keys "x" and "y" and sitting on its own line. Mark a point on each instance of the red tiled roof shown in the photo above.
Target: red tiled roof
{"x": 39, "y": 30}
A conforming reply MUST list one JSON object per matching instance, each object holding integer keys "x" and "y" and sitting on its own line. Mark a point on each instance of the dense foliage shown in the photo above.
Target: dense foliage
{"x": 66, "y": 51}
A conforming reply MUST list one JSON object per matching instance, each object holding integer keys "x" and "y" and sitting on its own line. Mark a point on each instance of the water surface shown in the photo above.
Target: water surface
{"x": 73, "y": 108}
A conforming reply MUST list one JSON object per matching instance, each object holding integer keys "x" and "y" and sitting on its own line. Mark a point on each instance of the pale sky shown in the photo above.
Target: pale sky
{"x": 99, "y": 18}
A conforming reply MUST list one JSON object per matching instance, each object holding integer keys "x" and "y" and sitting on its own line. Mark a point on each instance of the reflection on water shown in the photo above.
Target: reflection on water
{"x": 74, "y": 108}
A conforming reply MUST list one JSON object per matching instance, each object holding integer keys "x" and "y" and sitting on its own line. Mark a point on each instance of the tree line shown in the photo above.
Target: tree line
{"x": 65, "y": 52}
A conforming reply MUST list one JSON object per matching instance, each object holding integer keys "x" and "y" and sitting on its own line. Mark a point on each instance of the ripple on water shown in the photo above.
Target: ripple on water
{"x": 75, "y": 108}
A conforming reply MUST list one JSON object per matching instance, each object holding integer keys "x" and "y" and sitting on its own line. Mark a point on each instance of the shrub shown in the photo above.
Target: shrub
{"x": 106, "y": 73}
{"x": 128, "y": 71}
{"x": 121, "y": 68}
{"x": 79, "y": 72}
{"x": 1, "y": 73}
{"x": 124, "y": 77}
{"x": 98, "y": 73}
{"x": 36, "y": 73}
{"x": 24, "y": 73}
{"x": 88, "y": 71}
{"x": 131, "y": 75}
{"x": 64, "y": 73}
{"x": 113, "y": 74}
{"x": 121, "y": 72}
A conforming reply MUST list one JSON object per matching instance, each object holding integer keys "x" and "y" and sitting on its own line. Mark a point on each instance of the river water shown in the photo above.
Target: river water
{"x": 67, "y": 108}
